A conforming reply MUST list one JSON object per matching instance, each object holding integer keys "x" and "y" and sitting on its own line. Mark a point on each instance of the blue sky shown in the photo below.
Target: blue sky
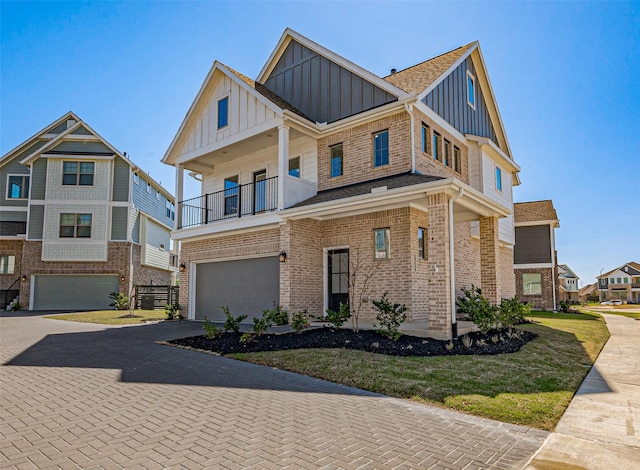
{"x": 565, "y": 75}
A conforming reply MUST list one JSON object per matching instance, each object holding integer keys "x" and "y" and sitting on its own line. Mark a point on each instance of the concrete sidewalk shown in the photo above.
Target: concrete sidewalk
{"x": 601, "y": 427}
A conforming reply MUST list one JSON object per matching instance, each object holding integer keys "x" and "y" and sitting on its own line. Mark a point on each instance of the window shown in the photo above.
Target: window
{"x": 294, "y": 167}
{"x": 471, "y": 90}
{"x": 425, "y": 137}
{"x": 171, "y": 210}
{"x": 77, "y": 173}
{"x": 618, "y": 281}
{"x": 532, "y": 284}
{"x": 149, "y": 188}
{"x": 626, "y": 280}
{"x": 381, "y": 148}
{"x": 456, "y": 159}
{"x": 612, "y": 280}
{"x": 18, "y": 187}
{"x": 381, "y": 243}
{"x": 75, "y": 225}
{"x": 336, "y": 160}
{"x": 422, "y": 243}
{"x": 231, "y": 195}
{"x": 157, "y": 195}
{"x": 136, "y": 178}
{"x": 223, "y": 112}
{"x": 435, "y": 138}
{"x": 446, "y": 157}
{"x": 7, "y": 264}
{"x": 498, "y": 179}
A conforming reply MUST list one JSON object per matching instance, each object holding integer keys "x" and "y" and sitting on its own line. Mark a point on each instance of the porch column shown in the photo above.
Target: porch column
{"x": 283, "y": 161}
{"x": 490, "y": 274}
{"x": 179, "y": 186}
{"x": 439, "y": 270}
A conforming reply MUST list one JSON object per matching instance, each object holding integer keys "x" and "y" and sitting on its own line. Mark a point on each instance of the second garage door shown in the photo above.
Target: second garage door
{"x": 247, "y": 286}
{"x": 71, "y": 292}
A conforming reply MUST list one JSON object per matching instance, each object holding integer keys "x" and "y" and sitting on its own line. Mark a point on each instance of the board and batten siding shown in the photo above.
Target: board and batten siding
{"x": 155, "y": 245}
{"x": 321, "y": 89}
{"x": 119, "y": 223}
{"x": 449, "y": 101}
{"x": 36, "y": 222}
{"x": 14, "y": 167}
{"x": 77, "y": 146}
{"x": 533, "y": 244}
{"x": 245, "y": 110}
{"x": 121, "y": 183}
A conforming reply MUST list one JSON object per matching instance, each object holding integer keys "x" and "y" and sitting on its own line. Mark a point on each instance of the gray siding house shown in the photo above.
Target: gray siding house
{"x": 78, "y": 221}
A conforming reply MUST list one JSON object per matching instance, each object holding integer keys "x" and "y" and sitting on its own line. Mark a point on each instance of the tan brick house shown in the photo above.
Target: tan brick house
{"x": 318, "y": 165}
{"x": 79, "y": 220}
{"x": 621, "y": 283}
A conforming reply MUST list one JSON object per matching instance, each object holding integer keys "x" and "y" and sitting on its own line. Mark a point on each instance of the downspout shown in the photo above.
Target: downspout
{"x": 554, "y": 269}
{"x": 452, "y": 271}
{"x": 409, "y": 109}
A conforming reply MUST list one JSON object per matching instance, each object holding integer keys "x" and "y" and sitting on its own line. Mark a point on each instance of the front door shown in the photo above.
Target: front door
{"x": 338, "y": 278}
{"x": 259, "y": 191}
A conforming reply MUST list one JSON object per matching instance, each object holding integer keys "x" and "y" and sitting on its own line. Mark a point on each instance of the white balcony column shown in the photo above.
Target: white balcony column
{"x": 179, "y": 194}
{"x": 283, "y": 161}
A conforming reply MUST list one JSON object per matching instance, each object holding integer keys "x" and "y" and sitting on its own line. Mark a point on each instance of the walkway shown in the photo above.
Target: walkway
{"x": 84, "y": 396}
{"x": 601, "y": 428}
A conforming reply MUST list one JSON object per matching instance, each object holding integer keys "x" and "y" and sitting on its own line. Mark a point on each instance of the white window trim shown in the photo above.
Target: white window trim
{"x": 475, "y": 94}
{"x": 148, "y": 187}
{"x": 10, "y": 263}
{"x": 136, "y": 178}
{"x": 78, "y": 185}
{"x": 495, "y": 176}
{"x": 226, "y": 126}
{"x": 7, "y": 186}
{"x": 388, "y": 248}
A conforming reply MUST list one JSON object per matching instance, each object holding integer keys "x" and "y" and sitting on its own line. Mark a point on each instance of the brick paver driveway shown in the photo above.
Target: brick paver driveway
{"x": 85, "y": 396}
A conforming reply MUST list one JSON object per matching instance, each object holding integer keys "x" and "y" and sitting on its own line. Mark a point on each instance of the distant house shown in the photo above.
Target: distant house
{"x": 589, "y": 293}
{"x": 534, "y": 254}
{"x": 79, "y": 220}
{"x": 568, "y": 290}
{"x": 621, "y": 283}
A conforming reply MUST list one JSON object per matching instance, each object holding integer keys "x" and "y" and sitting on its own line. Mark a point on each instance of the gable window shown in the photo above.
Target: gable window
{"x": 446, "y": 154}
{"x": 381, "y": 246}
{"x": 532, "y": 283}
{"x": 170, "y": 210}
{"x": 381, "y": 148}
{"x": 424, "y": 132}
{"x": 77, "y": 173}
{"x": 456, "y": 159}
{"x": 336, "y": 160}
{"x": 18, "y": 187}
{"x": 471, "y": 90}
{"x": 7, "y": 264}
{"x": 294, "y": 167}
{"x": 231, "y": 195}
{"x": 435, "y": 140}
{"x": 75, "y": 225}
{"x": 223, "y": 112}
{"x": 422, "y": 243}
{"x": 498, "y": 179}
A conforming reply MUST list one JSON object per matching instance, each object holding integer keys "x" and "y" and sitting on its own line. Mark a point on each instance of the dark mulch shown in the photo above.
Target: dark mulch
{"x": 369, "y": 341}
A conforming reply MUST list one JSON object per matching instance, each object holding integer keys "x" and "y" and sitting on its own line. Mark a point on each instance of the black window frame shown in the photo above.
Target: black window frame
{"x": 381, "y": 148}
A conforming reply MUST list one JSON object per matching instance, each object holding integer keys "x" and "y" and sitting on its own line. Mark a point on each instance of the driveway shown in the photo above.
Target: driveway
{"x": 75, "y": 395}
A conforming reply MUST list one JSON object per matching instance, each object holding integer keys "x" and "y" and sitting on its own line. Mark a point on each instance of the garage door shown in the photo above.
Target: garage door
{"x": 247, "y": 286}
{"x": 62, "y": 292}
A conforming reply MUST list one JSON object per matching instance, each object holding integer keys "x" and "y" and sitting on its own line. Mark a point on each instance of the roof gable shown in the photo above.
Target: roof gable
{"x": 630, "y": 269}
{"x": 535, "y": 211}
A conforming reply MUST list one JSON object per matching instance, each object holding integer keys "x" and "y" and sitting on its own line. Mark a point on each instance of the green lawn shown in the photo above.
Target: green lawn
{"x": 532, "y": 387}
{"x": 112, "y": 317}
{"x": 617, "y": 310}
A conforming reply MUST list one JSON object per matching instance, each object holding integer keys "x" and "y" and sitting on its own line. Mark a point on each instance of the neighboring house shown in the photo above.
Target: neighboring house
{"x": 79, "y": 220}
{"x": 621, "y": 283}
{"x": 590, "y": 293}
{"x": 534, "y": 254}
{"x": 319, "y": 167}
{"x": 568, "y": 290}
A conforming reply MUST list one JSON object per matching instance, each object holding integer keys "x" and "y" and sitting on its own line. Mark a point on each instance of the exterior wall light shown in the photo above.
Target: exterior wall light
{"x": 283, "y": 256}
{"x": 183, "y": 267}
{"x": 24, "y": 278}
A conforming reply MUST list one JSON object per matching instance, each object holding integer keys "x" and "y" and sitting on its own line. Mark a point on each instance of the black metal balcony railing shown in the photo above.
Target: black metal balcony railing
{"x": 238, "y": 201}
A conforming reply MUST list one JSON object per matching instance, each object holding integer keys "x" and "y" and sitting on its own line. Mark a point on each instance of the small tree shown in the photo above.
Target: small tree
{"x": 389, "y": 317}
{"x": 120, "y": 301}
{"x": 362, "y": 270}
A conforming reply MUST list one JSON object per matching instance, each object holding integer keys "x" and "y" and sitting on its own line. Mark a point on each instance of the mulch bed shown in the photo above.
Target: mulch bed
{"x": 370, "y": 341}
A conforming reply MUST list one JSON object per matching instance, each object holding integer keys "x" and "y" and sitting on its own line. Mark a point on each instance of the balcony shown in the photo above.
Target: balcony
{"x": 233, "y": 202}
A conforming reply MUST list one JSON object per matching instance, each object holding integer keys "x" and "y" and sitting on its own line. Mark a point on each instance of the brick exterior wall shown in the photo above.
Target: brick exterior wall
{"x": 12, "y": 248}
{"x": 357, "y": 152}
{"x": 543, "y": 301}
{"x": 467, "y": 258}
{"x": 146, "y": 275}
{"x": 507, "y": 279}
{"x": 439, "y": 267}
{"x": 490, "y": 265}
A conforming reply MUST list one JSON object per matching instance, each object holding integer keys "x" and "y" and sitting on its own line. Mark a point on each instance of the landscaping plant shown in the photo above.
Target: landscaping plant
{"x": 276, "y": 316}
{"x": 120, "y": 301}
{"x": 337, "y": 319}
{"x": 512, "y": 312}
{"x": 232, "y": 323}
{"x": 211, "y": 331}
{"x": 361, "y": 273}
{"x": 300, "y": 321}
{"x": 389, "y": 317}
{"x": 478, "y": 308}
{"x": 173, "y": 311}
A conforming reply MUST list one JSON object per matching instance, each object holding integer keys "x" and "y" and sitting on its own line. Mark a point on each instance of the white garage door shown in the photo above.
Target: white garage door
{"x": 247, "y": 286}
{"x": 73, "y": 292}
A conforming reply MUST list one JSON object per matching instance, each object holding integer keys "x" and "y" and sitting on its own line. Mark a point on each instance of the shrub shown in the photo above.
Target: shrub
{"x": 337, "y": 319}
{"x": 389, "y": 317}
{"x": 173, "y": 311}
{"x": 16, "y": 306}
{"x": 232, "y": 323}
{"x": 120, "y": 301}
{"x": 467, "y": 341}
{"x": 211, "y": 331}
{"x": 478, "y": 308}
{"x": 276, "y": 316}
{"x": 565, "y": 306}
{"x": 512, "y": 312}
{"x": 300, "y": 321}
